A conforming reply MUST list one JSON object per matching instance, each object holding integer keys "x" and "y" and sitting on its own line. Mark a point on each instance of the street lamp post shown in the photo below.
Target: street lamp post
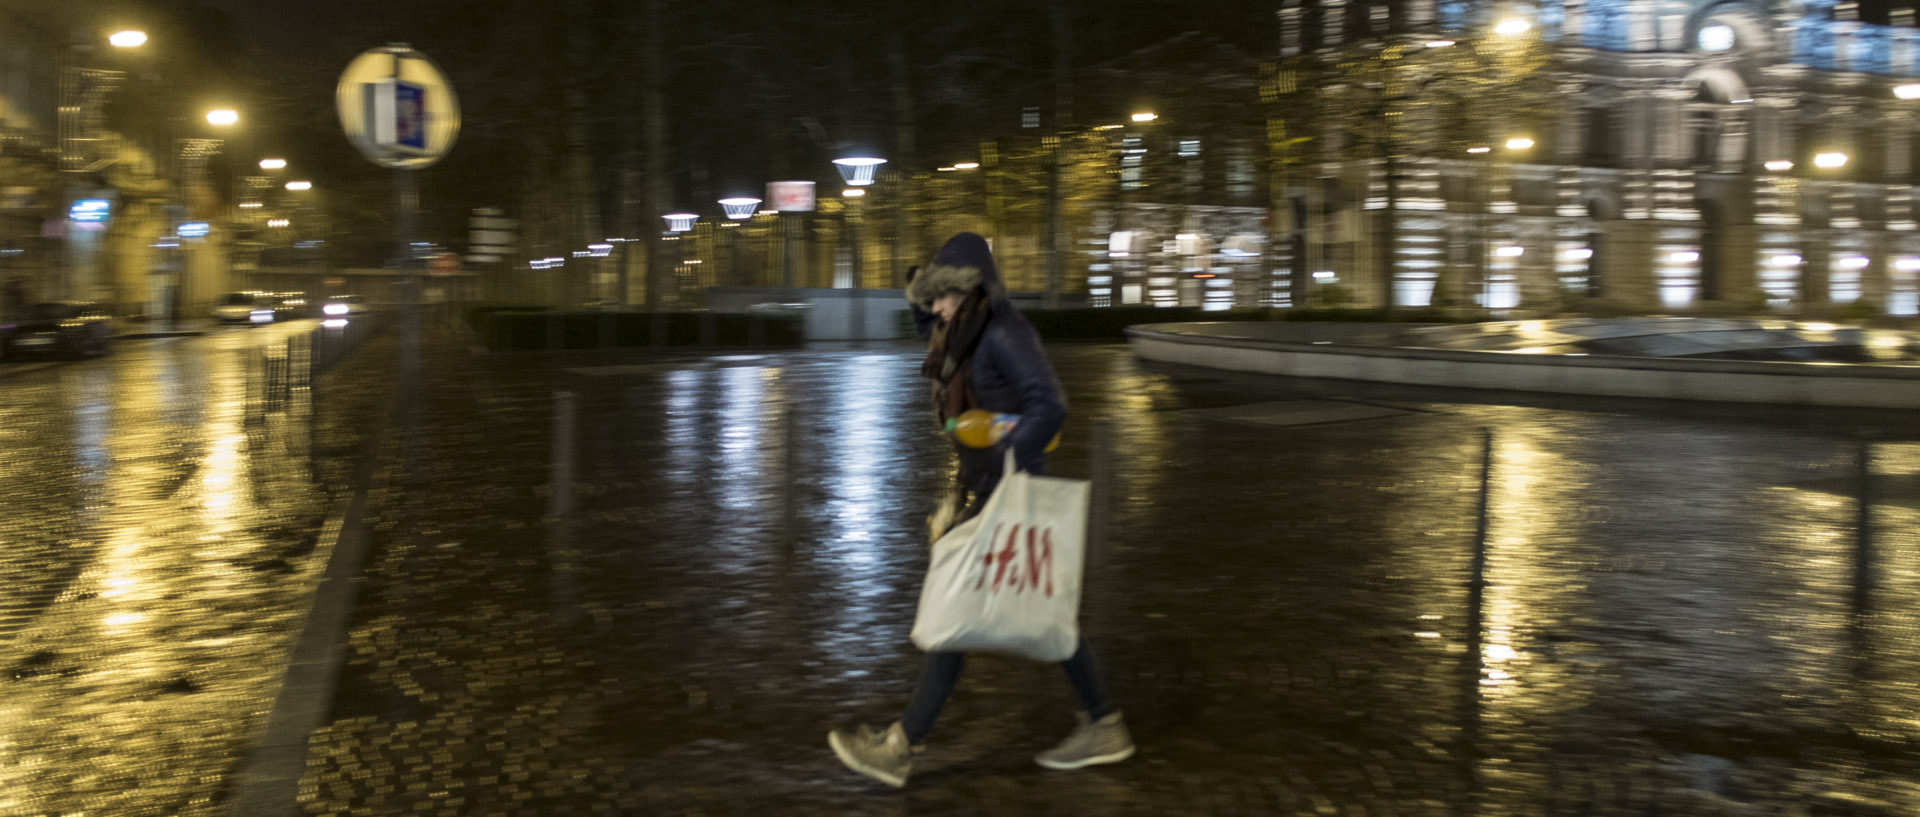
{"x": 1481, "y": 251}
{"x": 738, "y": 209}
{"x": 85, "y": 148}
{"x": 858, "y": 172}
{"x": 190, "y": 180}
{"x": 1816, "y": 270}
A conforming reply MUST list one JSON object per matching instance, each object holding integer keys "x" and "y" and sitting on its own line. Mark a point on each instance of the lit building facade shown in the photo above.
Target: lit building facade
{"x": 1694, "y": 157}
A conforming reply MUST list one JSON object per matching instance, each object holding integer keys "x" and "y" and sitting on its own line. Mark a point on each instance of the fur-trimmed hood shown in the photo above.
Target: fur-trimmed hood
{"x": 963, "y": 263}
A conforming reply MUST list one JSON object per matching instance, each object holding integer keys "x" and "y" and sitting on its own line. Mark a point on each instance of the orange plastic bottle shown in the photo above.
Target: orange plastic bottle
{"x": 979, "y": 428}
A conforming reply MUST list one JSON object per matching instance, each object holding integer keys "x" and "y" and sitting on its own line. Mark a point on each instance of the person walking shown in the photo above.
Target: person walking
{"x": 983, "y": 354}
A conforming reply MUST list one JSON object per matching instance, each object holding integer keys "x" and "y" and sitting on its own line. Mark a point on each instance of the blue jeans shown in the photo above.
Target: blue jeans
{"x": 942, "y": 671}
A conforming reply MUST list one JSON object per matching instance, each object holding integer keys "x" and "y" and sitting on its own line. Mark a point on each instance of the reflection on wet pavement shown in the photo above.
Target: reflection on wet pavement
{"x": 1672, "y": 620}
{"x": 157, "y": 541}
{"x": 1684, "y": 609}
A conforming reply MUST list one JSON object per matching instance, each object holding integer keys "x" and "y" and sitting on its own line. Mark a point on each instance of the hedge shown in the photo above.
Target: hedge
{"x": 511, "y": 329}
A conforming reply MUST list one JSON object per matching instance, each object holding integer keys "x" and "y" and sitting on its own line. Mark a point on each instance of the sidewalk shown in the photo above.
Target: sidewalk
{"x": 1672, "y": 622}
{"x": 125, "y": 329}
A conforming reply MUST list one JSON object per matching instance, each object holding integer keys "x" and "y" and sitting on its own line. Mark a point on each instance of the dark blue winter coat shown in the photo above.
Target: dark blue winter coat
{"x": 1010, "y": 373}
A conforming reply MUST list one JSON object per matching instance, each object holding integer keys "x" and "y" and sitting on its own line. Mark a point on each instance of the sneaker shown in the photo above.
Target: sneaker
{"x": 1092, "y": 743}
{"x": 883, "y": 755}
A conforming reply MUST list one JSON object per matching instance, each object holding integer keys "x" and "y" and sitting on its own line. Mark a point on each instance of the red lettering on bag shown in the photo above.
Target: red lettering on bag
{"x": 988, "y": 561}
{"x": 1006, "y": 557}
{"x": 1040, "y": 559}
{"x": 1005, "y": 565}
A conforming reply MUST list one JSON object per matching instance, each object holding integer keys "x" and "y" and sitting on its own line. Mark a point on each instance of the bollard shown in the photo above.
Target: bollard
{"x": 1476, "y": 599}
{"x": 563, "y": 591}
{"x": 286, "y": 375}
{"x": 1863, "y": 533}
{"x": 268, "y": 390}
{"x": 789, "y": 472}
{"x": 560, "y": 499}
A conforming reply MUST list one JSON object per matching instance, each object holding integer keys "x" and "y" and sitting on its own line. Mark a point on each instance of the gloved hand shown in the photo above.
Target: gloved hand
{"x": 942, "y": 517}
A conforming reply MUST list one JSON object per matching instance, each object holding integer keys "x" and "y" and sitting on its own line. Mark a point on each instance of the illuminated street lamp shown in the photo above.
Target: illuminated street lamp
{"x": 1519, "y": 143}
{"x": 1145, "y": 117}
{"x": 740, "y": 207}
{"x": 222, "y": 117}
{"x": 1512, "y": 27}
{"x": 679, "y": 222}
{"x": 272, "y": 164}
{"x": 1830, "y": 161}
{"x": 297, "y": 186}
{"x": 1910, "y": 90}
{"x": 1779, "y": 165}
{"x": 858, "y": 170}
{"x": 129, "y": 38}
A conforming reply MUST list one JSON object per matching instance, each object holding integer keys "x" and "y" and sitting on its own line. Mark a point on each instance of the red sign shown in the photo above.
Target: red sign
{"x": 790, "y": 197}
{"x": 445, "y": 263}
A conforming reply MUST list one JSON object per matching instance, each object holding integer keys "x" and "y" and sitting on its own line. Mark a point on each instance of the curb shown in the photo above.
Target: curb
{"x": 186, "y": 333}
{"x": 266, "y": 780}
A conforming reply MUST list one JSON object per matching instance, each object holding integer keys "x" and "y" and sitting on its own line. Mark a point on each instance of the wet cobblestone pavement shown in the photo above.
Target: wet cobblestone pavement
{"x": 1673, "y": 621}
{"x": 160, "y": 536}
{"x": 1681, "y": 613}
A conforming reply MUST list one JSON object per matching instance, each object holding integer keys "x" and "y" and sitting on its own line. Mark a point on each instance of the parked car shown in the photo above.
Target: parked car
{"x": 344, "y": 306}
{"x": 290, "y": 305}
{"x": 61, "y": 328}
{"x": 246, "y": 307}
{"x": 243, "y": 307}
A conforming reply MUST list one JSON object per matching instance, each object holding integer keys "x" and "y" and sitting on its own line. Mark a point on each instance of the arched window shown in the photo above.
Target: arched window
{"x": 1717, "y": 120}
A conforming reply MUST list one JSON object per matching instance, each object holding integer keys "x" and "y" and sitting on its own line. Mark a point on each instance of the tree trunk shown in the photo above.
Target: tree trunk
{"x": 653, "y": 109}
{"x": 1390, "y": 231}
{"x": 904, "y": 124}
{"x": 1062, "y": 121}
{"x": 583, "y": 217}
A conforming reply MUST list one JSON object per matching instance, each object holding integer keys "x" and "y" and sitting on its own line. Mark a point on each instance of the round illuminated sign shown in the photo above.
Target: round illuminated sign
{"x": 397, "y": 107}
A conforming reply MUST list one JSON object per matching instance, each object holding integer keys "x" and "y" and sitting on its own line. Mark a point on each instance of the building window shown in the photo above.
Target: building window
{"x": 1703, "y": 129}
{"x": 1133, "y": 154}
{"x": 1913, "y": 160}
{"x": 1242, "y": 175}
{"x": 1601, "y": 144}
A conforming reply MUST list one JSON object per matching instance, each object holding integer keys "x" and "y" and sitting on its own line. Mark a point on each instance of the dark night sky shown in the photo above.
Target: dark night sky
{"x": 761, "y": 89}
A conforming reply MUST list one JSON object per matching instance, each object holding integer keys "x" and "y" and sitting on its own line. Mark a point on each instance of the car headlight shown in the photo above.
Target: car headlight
{"x": 334, "y": 309}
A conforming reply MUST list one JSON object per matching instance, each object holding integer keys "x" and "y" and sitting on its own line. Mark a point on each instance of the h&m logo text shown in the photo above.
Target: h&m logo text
{"x": 1009, "y": 569}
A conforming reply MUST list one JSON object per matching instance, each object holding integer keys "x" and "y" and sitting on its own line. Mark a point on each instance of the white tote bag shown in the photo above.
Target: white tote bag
{"x": 1008, "y": 580}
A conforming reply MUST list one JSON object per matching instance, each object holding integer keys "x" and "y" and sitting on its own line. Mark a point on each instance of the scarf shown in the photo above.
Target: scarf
{"x": 949, "y": 361}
